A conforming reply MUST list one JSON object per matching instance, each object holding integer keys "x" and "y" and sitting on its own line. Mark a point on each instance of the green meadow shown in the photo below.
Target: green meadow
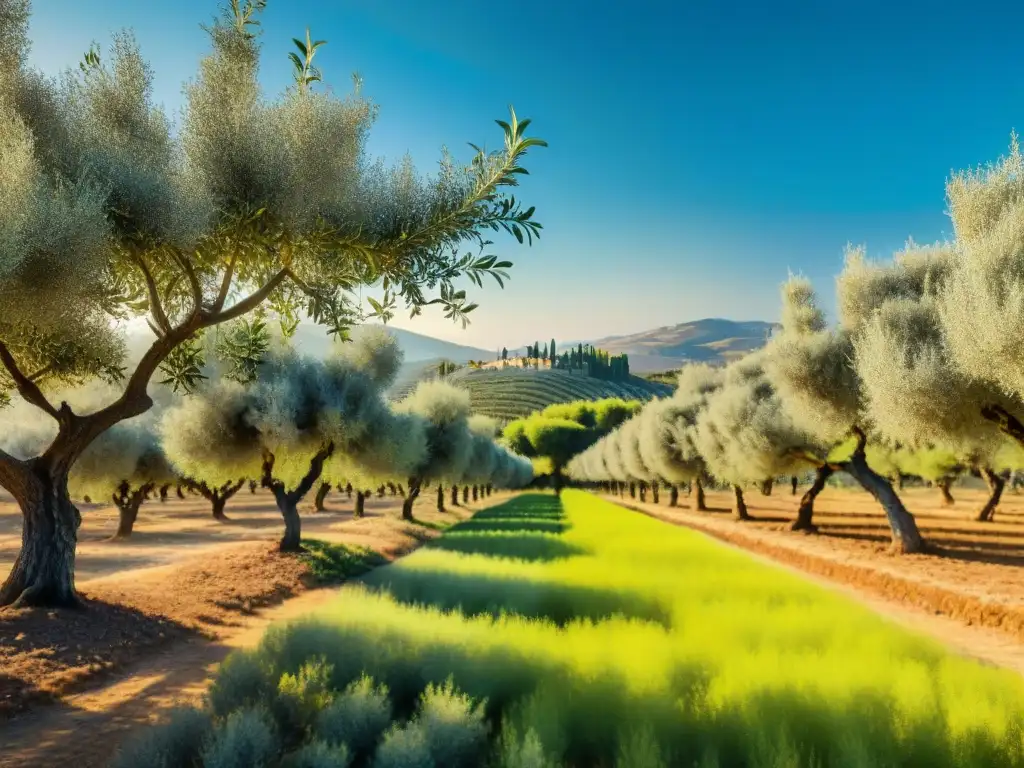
{"x": 594, "y": 636}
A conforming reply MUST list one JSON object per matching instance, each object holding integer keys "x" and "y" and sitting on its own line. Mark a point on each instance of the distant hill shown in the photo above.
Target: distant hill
{"x": 418, "y": 348}
{"x": 509, "y": 393}
{"x": 712, "y": 340}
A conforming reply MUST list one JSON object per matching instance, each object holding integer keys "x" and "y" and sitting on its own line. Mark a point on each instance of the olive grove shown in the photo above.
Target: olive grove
{"x": 108, "y": 215}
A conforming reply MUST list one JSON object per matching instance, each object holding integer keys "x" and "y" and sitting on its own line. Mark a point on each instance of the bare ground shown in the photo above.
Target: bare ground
{"x": 164, "y": 607}
{"x": 967, "y": 591}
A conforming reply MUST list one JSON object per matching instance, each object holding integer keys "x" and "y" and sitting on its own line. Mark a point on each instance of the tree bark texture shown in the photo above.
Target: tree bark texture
{"x": 128, "y": 502}
{"x": 673, "y": 496}
{"x": 44, "y": 571}
{"x": 288, "y": 501}
{"x": 805, "y": 512}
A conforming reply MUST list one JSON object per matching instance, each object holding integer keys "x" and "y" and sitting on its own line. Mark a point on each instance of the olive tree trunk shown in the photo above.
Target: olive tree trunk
{"x": 128, "y": 503}
{"x": 164, "y": 489}
{"x": 995, "y": 485}
{"x": 766, "y": 487}
{"x": 410, "y": 498}
{"x": 794, "y": 482}
{"x": 321, "y": 496}
{"x": 654, "y": 493}
{"x": 673, "y": 496}
{"x": 44, "y": 571}
{"x": 947, "y": 497}
{"x": 455, "y": 495}
{"x": 906, "y": 537}
{"x": 288, "y": 501}
{"x": 465, "y": 494}
{"x": 700, "y": 504}
{"x": 739, "y": 505}
{"x": 217, "y": 496}
{"x": 476, "y": 493}
{"x": 805, "y": 512}
{"x": 440, "y": 498}
{"x": 643, "y": 493}
{"x": 360, "y": 506}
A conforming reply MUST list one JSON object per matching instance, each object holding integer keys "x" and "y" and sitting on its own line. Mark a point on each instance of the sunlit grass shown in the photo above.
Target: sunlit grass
{"x": 622, "y": 640}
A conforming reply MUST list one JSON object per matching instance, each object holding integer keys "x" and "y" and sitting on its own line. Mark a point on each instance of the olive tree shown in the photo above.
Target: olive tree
{"x": 981, "y": 305}
{"x": 124, "y": 464}
{"x": 107, "y": 214}
{"x": 446, "y": 411}
{"x": 745, "y": 435}
{"x": 813, "y": 368}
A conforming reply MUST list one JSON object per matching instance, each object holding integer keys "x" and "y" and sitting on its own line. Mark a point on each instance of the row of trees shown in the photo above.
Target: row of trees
{"x": 560, "y": 431}
{"x": 252, "y": 201}
{"x": 597, "y": 362}
{"x": 924, "y": 361}
{"x": 301, "y": 423}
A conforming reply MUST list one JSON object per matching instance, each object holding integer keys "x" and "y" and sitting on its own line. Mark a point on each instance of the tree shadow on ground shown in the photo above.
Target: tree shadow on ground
{"x": 61, "y": 651}
{"x": 528, "y": 546}
{"x": 481, "y": 594}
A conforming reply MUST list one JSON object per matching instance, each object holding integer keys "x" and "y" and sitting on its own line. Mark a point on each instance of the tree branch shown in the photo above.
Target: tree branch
{"x": 1005, "y": 421}
{"x": 155, "y": 305}
{"x": 249, "y": 303}
{"x": 316, "y": 468}
{"x": 225, "y": 285}
{"x": 26, "y": 387}
{"x": 193, "y": 279}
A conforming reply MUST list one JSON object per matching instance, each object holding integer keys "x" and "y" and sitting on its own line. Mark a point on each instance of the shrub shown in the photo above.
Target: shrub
{"x": 317, "y": 754}
{"x": 246, "y": 739}
{"x": 525, "y": 752}
{"x": 301, "y": 697}
{"x": 241, "y": 681}
{"x": 175, "y": 744}
{"x": 358, "y": 717}
{"x": 405, "y": 747}
{"x": 454, "y": 726}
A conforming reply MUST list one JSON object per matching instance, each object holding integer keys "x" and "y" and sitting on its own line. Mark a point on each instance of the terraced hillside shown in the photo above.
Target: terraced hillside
{"x": 512, "y": 393}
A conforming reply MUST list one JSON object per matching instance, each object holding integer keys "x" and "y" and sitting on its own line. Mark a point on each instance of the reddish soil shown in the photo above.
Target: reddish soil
{"x": 971, "y": 577}
{"x": 181, "y": 578}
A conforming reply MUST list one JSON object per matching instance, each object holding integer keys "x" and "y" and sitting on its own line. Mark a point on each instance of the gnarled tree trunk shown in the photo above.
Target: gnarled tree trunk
{"x": 905, "y": 535}
{"x": 766, "y": 486}
{"x": 348, "y": 491}
{"x": 217, "y": 496}
{"x": 700, "y": 504}
{"x": 253, "y": 485}
{"x": 947, "y": 497}
{"x": 410, "y": 499}
{"x": 288, "y": 501}
{"x": 455, "y": 495}
{"x": 44, "y": 571}
{"x": 673, "y": 496}
{"x": 805, "y": 512}
{"x": 440, "y": 498}
{"x": 739, "y": 506}
{"x": 128, "y": 502}
{"x": 360, "y": 506}
{"x": 164, "y": 489}
{"x": 321, "y": 496}
{"x": 995, "y": 485}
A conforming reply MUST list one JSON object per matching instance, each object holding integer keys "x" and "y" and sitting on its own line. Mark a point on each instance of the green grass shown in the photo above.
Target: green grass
{"x": 332, "y": 563}
{"x": 601, "y": 637}
{"x": 512, "y": 393}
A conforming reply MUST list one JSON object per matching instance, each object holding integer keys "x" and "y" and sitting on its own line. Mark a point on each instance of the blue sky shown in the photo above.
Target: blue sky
{"x": 699, "y": 151}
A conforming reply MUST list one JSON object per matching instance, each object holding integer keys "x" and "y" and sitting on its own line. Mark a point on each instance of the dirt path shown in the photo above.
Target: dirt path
{"x": 985, "y": 644}
{"x": 85, "y": 728}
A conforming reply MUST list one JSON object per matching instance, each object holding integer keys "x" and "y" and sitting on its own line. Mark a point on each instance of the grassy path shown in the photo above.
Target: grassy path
{"x": 613, "y": 639}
